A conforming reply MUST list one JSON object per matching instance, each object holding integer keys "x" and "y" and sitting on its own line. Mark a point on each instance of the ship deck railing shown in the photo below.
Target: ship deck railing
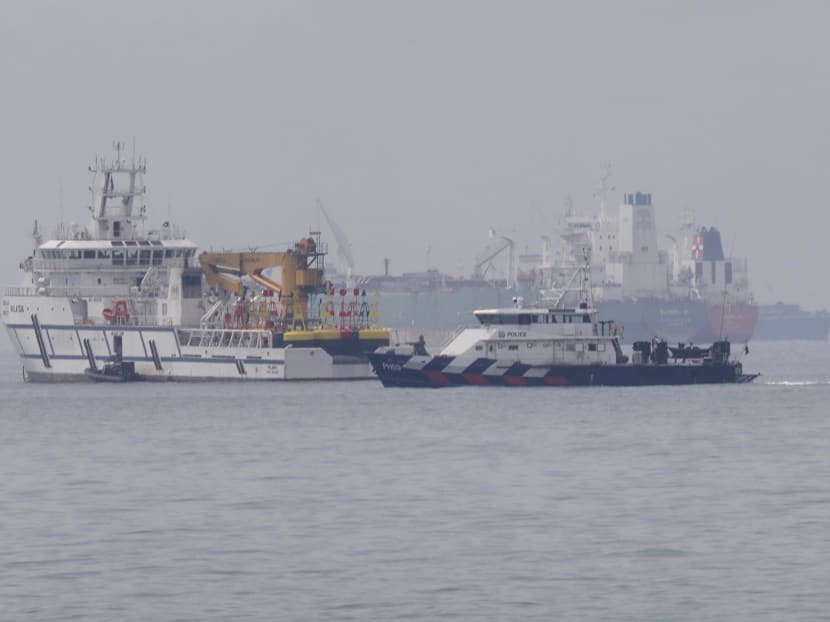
{"x": 20, "y": 291}
{"x": 224, "y": 337}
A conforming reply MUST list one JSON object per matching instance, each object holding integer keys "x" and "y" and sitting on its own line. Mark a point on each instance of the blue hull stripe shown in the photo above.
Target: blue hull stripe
{"x": 163, "y": 359}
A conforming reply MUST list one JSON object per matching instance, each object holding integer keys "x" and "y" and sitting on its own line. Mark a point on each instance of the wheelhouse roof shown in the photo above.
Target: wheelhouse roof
{"x": 532, "y": 311}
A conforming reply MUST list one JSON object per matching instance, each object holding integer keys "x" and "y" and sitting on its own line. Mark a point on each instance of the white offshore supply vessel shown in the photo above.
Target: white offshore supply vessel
{"x": 114, "y": 300}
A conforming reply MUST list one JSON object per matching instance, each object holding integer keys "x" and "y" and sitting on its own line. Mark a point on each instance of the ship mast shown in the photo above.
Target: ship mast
{"x": 584, "y": 289}
{"x": 117, "y": 196}
{"x": 601, "y": 192}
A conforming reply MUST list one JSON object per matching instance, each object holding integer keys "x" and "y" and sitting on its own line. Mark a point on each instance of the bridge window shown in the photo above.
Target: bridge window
{"x": 592, "y": 347}
{"x": 104, "y": 254}
{"x": 131, "y": 256}
{"x": 513, "y": 347}
{"x": 116, "y": 229}
{"x": 144, "y": 257}
{"x": 89, "y": 254}
{"x": 117, "y": 257}
{"x": 524, "y": 319}
{"x": 157, "y": 257}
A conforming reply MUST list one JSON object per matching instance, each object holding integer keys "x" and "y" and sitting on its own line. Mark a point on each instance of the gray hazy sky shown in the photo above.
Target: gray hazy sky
{"x": 422, "y": 124}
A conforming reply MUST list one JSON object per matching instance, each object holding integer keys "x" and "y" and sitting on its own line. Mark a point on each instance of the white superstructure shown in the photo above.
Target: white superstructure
{"x": 538, "y": 336}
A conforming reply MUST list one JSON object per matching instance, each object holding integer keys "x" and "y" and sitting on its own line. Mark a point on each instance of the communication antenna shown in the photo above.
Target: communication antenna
{"x": 116, "y": 144}
{"x": 568, "y": 205}
{"x": 60, "y": 199}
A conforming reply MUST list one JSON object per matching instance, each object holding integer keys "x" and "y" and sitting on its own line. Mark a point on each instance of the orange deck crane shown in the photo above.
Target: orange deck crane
{"x": 301, "y": 273}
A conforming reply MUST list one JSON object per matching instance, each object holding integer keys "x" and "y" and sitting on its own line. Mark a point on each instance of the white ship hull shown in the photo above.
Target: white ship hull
{"x": 56, "y": 350}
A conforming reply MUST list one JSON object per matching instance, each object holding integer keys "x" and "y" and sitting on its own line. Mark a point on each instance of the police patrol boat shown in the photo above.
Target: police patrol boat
{"x": 113, "y": 301}
{"x": 553, "y": 346}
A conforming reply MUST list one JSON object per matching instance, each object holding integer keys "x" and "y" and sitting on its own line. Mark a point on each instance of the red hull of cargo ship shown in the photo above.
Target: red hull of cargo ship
{"x": 735, "y": 322}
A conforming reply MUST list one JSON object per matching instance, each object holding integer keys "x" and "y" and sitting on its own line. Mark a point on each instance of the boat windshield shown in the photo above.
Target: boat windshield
{"x": 525, "y": 319}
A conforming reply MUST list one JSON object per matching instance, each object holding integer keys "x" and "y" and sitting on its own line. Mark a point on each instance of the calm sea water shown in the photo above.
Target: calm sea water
{"x": 347, "y": 501}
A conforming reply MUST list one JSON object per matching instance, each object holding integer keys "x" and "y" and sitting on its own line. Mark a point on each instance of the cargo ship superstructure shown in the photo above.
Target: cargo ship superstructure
{"x": 114, "y": 292}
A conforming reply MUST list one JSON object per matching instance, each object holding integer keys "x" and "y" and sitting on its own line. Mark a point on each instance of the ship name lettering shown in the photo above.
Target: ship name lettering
{"x": 391, "y": 366}
{"x": 516, "y": 333}
{"x": 17, "y": 308}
